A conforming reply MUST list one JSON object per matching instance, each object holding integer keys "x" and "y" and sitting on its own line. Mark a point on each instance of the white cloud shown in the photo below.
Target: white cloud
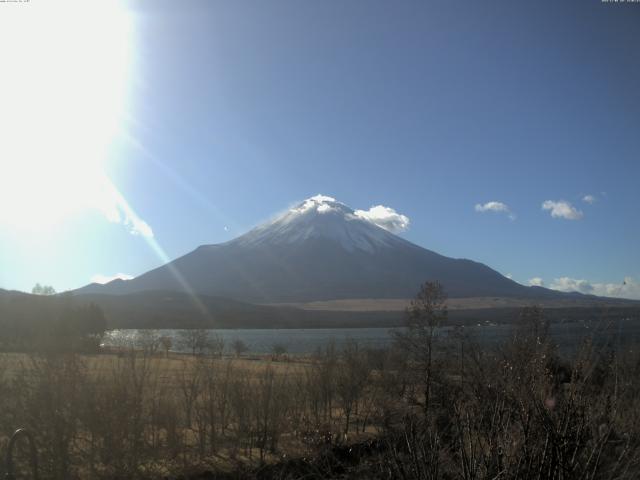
{"x": 562, "y": 209}
{"x": 492, "y": 207}
{"x": 497, "y": 207}
{"x": 134, "y": 224}
{"x": 137, "y": 226}
{"x": 629, "y": 288}
{"x": 116, "y": 209}
{"x": 590, "y": 199}
{"x": 536, "y": 282}
{"x": 385, "y": 217}
{"x": 99, "y": 278}
{"x": 566, "y": 284}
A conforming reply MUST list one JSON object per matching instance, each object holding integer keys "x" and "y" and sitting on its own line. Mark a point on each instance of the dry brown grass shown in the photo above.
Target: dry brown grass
{"x": 135, "y": 415}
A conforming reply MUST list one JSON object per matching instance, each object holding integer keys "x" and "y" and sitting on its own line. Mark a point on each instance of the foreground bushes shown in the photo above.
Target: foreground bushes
{"x": 139, "y": 415}
{"x": 444, "y": 408}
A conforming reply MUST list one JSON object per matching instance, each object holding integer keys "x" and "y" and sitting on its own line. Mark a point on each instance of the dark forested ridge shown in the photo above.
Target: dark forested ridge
{"x": 39, "y": 322}
{"x": 24, "y": 314}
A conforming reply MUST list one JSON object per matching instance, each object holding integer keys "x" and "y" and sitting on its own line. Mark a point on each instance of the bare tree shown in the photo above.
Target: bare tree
{"x": 278, "y": 350}
{"x": 166, "y": 343}
{"x": 270, "y": 406}
{"x": 239, "y": 347}
{"x": 196, "y": 340}
{"x": 215, "y": 346}
{"x": 190, "y": 385}
{"x": 426, "y": 313}
{"x": 148, "y": 341}
{"x": 352, "y": 378}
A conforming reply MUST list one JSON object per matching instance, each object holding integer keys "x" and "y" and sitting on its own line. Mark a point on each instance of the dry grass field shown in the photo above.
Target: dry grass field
{"x": 168, "y": 369}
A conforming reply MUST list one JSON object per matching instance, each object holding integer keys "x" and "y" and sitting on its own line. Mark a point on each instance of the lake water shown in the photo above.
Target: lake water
{"x": 302, "y": 341}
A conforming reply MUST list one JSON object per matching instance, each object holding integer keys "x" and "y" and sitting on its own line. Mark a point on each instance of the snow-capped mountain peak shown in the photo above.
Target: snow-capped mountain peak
{"x": 321, "y": 217}
{"x": 321, "y": 204}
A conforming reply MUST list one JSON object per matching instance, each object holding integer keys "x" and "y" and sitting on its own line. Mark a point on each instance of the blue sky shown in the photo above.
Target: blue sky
{"x": 232, "y": 111}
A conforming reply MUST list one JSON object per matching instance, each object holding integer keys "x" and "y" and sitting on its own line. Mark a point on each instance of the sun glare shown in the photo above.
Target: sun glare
{"x": 63, "y": 93}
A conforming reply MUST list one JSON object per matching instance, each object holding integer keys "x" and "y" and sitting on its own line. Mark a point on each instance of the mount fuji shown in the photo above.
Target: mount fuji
{"x": 319, "y": 250}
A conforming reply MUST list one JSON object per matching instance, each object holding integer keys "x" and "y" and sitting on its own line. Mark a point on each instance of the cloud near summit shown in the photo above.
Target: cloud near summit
{"x": 380, "y": 215}
{"x": 385, "y": 217}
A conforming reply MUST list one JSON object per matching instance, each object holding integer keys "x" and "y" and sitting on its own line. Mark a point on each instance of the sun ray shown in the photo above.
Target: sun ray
{"x": 132, "y": 218}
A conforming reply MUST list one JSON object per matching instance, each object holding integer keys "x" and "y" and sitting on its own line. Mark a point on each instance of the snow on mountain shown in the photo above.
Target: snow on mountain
{"x": 321, "y": 217}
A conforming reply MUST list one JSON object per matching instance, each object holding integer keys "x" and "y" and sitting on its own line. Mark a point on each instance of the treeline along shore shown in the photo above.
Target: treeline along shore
{"x": 21, "y": 313}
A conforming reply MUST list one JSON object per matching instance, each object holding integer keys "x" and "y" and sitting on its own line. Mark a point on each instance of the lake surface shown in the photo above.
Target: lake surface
{"x": 303, "y": 341}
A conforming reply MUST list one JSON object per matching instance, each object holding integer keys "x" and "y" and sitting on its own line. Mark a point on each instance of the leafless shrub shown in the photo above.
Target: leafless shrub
{"x": 352, "y": 378}
{"x": 239, "y": 347}
{"x": 195, "y": 340}
{"x": 278, "y": 351}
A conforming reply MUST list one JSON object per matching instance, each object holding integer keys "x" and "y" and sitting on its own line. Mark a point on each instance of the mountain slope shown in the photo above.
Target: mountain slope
{"x": 319, "y": 250}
